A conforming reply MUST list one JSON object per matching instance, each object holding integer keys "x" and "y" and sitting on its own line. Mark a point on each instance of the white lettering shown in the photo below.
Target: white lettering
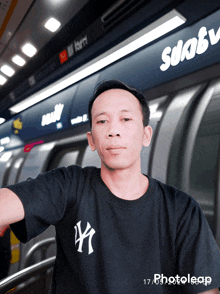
{"x": 176, "y": 53}
{"x": 214, "y": 38}
{"x": 183, "y": 280}
{"x": 85, "y": 117}
{"x": 54, "y": 116}
{"x": 180, "y": 52}
{"x": 166, "y": 59}
{"x": 208, "y": 280}
{"x": 79, "y": 119}
{"x": 163, "y": 280}
{"x": 156, "y": 278}
{"x": 189, "y": 49}
{"x": 76, "y": 120}
{"x": 70, "y": 50}
{"x": 203, "y": 44}
{"x": 79, "y": 45}
{"x": 201, "y": 280}
{"x": 59, "y": 125}
{"x": 87, "y": 233}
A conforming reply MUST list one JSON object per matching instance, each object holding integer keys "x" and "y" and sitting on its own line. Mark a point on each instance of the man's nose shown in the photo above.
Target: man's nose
{"x": 113, "y": 135}
{"x": 113, "y": 130}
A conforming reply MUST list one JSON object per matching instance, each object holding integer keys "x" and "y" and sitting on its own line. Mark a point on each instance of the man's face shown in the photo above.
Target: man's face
{"x": 117, "y": 131}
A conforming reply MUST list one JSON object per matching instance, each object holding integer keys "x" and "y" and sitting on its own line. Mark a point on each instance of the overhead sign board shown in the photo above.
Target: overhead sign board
{"x": 48, "y": 116}
{"x": 190, "y": 49}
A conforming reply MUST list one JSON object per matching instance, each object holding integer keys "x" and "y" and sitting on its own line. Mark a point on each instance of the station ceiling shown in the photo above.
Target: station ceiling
{"x": 23, "y": 22}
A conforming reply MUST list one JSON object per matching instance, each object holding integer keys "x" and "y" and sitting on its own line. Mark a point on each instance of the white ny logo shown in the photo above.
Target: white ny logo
{"x": 84, "y": 235}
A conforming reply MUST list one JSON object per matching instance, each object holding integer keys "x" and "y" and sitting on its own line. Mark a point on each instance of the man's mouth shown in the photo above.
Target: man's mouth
{"x": 115, "y": 147}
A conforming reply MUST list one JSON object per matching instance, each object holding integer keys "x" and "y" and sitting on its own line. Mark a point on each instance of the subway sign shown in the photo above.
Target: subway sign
{"x": 188, "y": 50}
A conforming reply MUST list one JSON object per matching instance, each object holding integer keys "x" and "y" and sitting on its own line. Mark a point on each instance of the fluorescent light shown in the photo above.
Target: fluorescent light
{"x": 52, "y": 24}
{"x": 153, "y": 107}
{"x": 7, "y": 70}
{"x": 3, "y": 80}
{"x": 5, "y": 140}
{"x": 2, "y": 148}
{"x": 2, "y": 120}
{"x": 156, "y": 114}
{"x": 18, "y": 60}
{"x": 163, "y": 25}
{"x": 6, "y": 156}
{"x": 29, "y": 50}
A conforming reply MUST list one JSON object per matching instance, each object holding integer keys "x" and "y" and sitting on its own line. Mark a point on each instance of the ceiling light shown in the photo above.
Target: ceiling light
{"x": 18, "y": 60}
{"x": 3, "y": 80}
{"x": 29, "y": 50}
{"x": 2, "y": 120}
{"x": 6, "y": 156}
{"x": 163, "y": 25}
{"x": 5, "y": 140}
{"x": 153, "y": 107}
{"x": 156, "y": 114}
{"x": 7, "y": 70}
{"x": 52, "y": 24}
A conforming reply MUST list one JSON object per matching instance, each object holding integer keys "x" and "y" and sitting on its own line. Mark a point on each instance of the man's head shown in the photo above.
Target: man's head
{"x": 118, "y": 132}
{"x": 116, "y": 84}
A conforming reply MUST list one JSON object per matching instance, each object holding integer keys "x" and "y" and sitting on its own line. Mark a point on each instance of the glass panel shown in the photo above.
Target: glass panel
{"x": 14, "y": 171}
{"x": 203, "y": 172}
{"x": 166, "y": 133}
{"x": 91, "y": 158}
{"x": 156, "y": 111}
{"x": 69, "y": 158}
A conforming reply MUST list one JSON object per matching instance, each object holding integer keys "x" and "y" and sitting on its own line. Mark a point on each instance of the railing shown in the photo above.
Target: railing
{"x": 34, "y": 278}
{"x": 41, "y": 246}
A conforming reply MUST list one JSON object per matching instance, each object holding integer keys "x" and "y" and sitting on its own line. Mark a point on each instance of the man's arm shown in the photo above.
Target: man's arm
{"x": 11, "y": 209}
{"x": 213, "y": 291}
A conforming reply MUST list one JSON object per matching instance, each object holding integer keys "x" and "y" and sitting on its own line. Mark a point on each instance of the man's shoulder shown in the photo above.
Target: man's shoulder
{"x": 79, "y": 173}
{"x": 177, "y": 205}
{"x": 82, "y": 170}
{"x": 173, "y": 194}
{"x": 77, "y": 169}
{"x": 72, "y": 174}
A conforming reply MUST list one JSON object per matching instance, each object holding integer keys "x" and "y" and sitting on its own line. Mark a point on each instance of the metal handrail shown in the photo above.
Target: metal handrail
{"x": 43, "y": 245}
{"x": 25, "y": 274}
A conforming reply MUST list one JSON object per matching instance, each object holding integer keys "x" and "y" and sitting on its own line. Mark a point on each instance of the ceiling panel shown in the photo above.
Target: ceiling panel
{"x": 18, "y": 10}
{"x": 23, "y": 21}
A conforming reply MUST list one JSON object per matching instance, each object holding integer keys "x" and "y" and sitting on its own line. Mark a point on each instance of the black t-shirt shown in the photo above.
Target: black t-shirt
{"x": 5, "y": 254}
{"x": 109, "y": 245}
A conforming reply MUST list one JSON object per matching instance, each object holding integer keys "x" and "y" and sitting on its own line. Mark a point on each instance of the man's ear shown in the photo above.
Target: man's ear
{"x": 148, "y": 132}
{"x": 91, "y": 141}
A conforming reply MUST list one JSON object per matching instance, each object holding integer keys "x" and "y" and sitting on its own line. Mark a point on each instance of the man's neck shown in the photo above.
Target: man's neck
{"x": 128, "y": 184}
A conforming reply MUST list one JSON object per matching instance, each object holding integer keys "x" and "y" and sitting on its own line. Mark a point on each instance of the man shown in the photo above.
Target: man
{"x": 117, "y": 230}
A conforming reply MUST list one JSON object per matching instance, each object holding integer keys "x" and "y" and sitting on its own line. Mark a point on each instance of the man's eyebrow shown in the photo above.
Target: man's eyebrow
{"x": 101, "y": 113}
{"x": 105, "y": 113}
{"x": 126, "y": 110}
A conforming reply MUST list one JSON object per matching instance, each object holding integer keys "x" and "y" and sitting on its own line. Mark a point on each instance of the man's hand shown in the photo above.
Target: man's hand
{"x": 213, "y": 291}
{"x": 3, "y": 229}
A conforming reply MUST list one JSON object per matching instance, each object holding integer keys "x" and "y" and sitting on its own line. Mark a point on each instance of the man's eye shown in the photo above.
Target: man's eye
{"x": 126, "y": 119}
{"x": 103, "y": 121}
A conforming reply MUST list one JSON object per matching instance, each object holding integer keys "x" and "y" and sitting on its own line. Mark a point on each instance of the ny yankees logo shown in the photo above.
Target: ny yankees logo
{"x": 84, "y": 235}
